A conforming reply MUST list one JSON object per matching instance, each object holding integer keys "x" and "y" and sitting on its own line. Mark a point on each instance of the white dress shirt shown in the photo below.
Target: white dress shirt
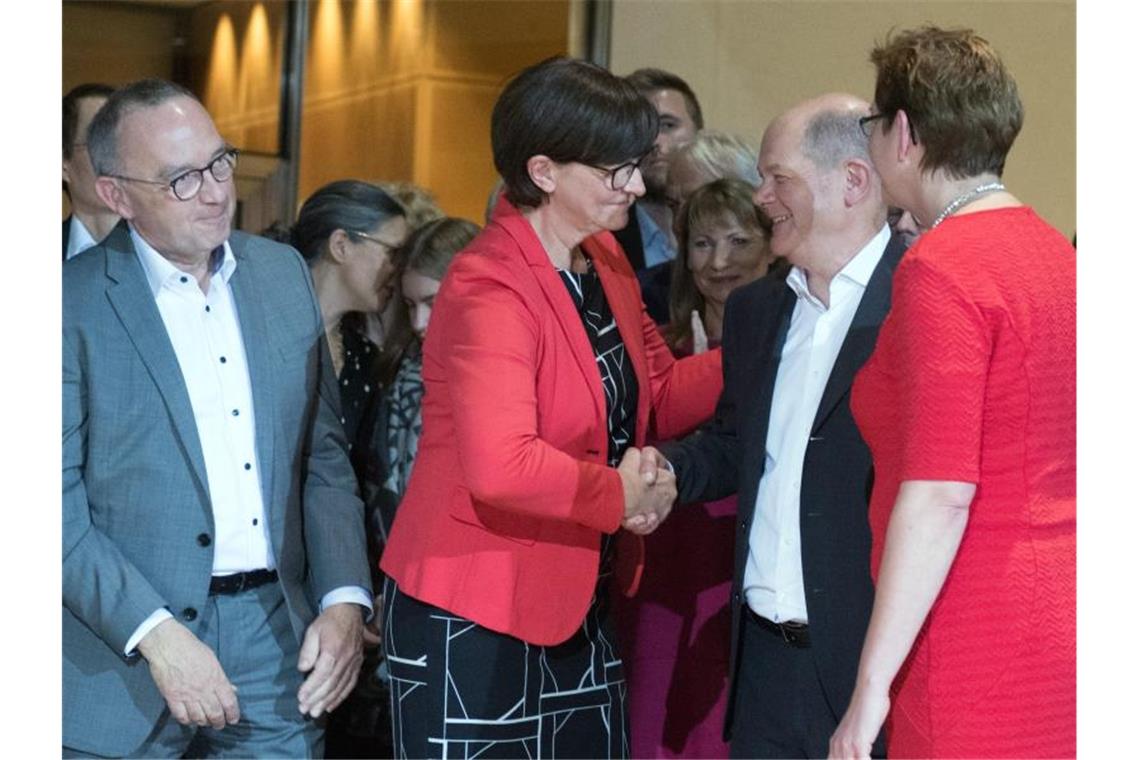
{"x": 78, "y": 238}
{"x": 773, "y": 572}
{"x": 206, "y": 335}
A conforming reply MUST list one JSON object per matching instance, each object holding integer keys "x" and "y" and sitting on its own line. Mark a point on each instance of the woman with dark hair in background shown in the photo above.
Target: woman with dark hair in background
{"x": 968, "y": 405}
{"x": 348, "y": 231}
{"x": 541, "y": 372}
{"x": 676, "y": 629}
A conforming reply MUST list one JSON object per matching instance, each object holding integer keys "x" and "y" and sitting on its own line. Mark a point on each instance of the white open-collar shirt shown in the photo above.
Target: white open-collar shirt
{"x": 773, "y": 572}
{"x": 204, "y": 330}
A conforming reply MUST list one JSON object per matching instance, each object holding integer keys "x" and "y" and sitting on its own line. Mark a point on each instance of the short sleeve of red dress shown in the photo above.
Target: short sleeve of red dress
{"x": 940, "y": 345}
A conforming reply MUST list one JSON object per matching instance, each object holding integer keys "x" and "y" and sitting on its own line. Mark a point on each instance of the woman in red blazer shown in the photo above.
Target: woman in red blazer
{"x": 543, "y": 375}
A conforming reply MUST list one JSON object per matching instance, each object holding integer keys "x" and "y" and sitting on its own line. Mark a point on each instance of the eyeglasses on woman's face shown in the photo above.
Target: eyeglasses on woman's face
{"x": 866, "y": 122}
{"x": 620, "y": 176}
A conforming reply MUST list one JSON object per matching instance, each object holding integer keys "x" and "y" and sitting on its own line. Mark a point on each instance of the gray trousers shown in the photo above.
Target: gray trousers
{"x": 252, "y": 639}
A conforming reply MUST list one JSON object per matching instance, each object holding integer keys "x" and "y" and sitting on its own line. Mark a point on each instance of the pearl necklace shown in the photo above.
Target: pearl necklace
{"x": 957, "y": 203}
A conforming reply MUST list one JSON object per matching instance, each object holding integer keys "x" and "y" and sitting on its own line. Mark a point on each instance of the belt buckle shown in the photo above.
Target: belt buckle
{"x": 792, "y": 633}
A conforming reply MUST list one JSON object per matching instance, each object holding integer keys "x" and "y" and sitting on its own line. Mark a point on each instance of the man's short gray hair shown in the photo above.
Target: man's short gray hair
{"x": 832, "y": 137}
{"x": 102, "y": 134}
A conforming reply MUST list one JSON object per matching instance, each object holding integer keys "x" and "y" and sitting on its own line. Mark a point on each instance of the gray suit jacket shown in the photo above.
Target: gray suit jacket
{"x": 137, "y": 519}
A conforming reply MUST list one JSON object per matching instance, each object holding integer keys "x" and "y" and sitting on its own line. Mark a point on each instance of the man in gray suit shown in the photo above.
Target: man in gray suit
{"x": 214, "y": 565}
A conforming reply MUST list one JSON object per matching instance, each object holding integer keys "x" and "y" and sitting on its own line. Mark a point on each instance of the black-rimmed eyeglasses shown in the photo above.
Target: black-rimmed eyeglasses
{"x": 866, "y": 121}
{"x": 365, "y": 236}
{"x": 620, "y": 175}
{"x": 189, "y": 183}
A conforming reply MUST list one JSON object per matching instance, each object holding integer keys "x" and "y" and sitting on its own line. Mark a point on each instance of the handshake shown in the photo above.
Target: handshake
{"x": 650, "y": 489}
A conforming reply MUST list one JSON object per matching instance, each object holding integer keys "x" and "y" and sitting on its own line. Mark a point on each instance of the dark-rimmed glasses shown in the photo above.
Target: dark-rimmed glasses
{"x": 620, "y": 175}
{"x": 865, "y": 121}
{"x": 385, "y": 243}
{"x": 189, "y": 183}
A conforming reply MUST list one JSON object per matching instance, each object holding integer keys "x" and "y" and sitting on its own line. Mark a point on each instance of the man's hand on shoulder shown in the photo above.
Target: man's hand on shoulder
{"x": 331, "y": 654}
{"x": 189, "y": 676}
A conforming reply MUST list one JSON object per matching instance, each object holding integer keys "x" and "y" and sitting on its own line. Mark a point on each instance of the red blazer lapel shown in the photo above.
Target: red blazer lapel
{"x": 561, "y": 305}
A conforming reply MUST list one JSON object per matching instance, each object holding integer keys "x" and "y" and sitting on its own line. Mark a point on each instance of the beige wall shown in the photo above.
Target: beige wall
{"x": 404, "y": 90}
{"x": 236, "y": 51}
{"x": 115, "y": 44}
{"x": 749, "y": 60}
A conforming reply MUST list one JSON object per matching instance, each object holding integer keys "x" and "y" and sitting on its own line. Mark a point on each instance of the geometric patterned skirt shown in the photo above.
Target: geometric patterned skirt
{"x": 462, "y": 691}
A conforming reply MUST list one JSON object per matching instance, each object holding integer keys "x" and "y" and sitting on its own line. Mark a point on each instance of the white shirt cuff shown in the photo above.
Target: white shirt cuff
{"x": 146, "y": 627}
{"x": 350, "y": 595}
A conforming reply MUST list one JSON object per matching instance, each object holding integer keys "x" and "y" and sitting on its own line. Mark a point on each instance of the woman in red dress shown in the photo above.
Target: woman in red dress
{"x": 968, "y": 405}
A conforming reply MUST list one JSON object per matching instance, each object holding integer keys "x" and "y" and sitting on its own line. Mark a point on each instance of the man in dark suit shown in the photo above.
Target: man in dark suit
{"x": 214, "y": 568}
{"x": 648, "y": 239}
{"x": 90, "y": 219}
{"x": 783, "y": 437}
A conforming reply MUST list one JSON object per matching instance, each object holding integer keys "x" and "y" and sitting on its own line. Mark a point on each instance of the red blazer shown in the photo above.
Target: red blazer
{"x": 510, "y": 492}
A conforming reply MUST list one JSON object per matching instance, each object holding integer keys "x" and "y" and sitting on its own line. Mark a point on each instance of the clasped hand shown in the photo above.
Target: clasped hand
{"x": 650, "y": 489}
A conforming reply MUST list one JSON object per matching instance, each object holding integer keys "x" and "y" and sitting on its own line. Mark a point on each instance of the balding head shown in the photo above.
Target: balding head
{"x": 828, "y": 126}
{"x": 817, "y": 181}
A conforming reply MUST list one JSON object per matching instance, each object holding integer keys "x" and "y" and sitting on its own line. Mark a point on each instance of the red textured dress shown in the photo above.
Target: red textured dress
{"x": 973, "y": 379}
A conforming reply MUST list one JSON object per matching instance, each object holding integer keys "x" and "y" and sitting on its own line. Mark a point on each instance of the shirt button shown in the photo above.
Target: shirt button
{"x": 223, "y": 360}
{"x": 207, "y": 307}
{"x": 182, "y": 279}
{"x": 203, "y": 539}
{"x": 248, "y": 466}
{"x": 255, "y": 521}
{"x": 189, "y": 614}
{"x": 234, "y": 412}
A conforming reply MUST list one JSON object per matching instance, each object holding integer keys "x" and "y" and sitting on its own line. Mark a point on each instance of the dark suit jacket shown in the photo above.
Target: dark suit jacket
{"x": 137, "y": 516}
{"x": 729, "y": 457}
{"x": 654, "y": 280}
{"x": 629, "y": 238}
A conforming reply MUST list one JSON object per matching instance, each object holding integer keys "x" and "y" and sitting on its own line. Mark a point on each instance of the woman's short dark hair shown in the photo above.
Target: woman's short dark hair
{"x": 567, "y": 110}
{"x": 348, "y": 204}
{"x": 961, "y": 100}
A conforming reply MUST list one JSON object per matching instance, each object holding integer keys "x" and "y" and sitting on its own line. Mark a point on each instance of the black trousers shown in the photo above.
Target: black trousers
{"x": 781, "y": 709}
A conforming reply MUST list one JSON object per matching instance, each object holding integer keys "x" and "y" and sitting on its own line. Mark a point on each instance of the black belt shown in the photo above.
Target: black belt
{"x": 237, "y": 582}
{"x": 794, "y": 634}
